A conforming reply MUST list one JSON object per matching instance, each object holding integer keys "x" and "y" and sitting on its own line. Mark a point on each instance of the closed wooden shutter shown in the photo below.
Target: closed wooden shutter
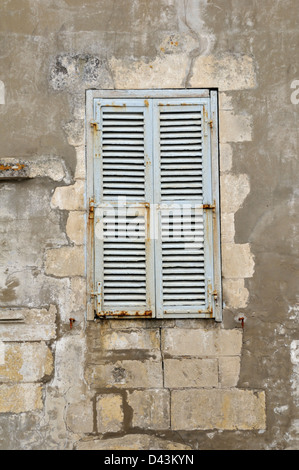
{"x": 124, "y": 269}
{"x": 156, "y": 205}
{"x": 184, "y": 262}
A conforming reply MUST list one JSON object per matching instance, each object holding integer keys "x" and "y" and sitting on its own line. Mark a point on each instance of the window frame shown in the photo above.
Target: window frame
{"x": 91, "y": 137}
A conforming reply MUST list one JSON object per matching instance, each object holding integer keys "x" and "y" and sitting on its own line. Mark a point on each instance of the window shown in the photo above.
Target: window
{"x": 153, "y": 189}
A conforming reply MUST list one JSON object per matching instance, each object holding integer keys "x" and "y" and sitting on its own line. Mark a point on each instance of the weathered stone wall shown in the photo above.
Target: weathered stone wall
{"x": 147, "y": 384}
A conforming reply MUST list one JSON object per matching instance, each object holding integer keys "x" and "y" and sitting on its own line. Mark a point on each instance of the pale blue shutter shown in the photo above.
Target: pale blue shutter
{"x": 183, "y": 187}
{"x": 156, "y": 206}
{"x": 123, "y": 182}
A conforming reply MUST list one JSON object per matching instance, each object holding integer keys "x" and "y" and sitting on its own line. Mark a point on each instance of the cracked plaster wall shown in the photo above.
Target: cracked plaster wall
{"x": 50, "y": 55}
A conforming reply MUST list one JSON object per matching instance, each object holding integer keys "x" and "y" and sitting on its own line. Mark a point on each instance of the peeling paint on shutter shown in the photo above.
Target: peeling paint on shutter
{"x": 123, "y": 181}
{"x": 184, "y": 265}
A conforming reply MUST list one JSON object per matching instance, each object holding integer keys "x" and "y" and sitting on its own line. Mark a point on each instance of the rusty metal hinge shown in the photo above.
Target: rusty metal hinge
{"x": 215, "y": 295}
{"x": 98, "y": 298}
{"x": 95, "y": 125}
{"x": 91, "y": 208}
{"x": 209, "y": 206}
{"x": 212, "y": 293}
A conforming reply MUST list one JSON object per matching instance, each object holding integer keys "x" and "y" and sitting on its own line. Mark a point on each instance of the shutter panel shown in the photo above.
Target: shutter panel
{"x": 123, "y": 182}
{"x": 184, "y": 264}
